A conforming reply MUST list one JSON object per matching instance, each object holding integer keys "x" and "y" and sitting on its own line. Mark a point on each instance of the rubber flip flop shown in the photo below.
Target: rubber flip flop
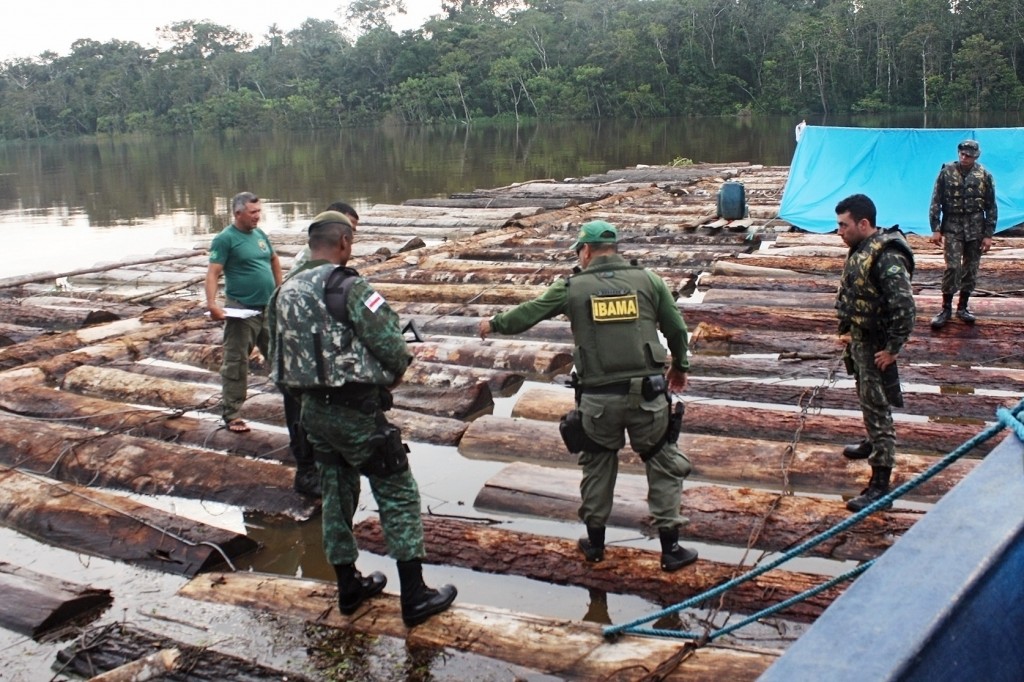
{"x": 238, "y": 426}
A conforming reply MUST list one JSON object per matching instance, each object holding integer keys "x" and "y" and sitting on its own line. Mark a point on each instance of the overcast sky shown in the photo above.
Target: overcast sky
{"x": 30, "y": 27}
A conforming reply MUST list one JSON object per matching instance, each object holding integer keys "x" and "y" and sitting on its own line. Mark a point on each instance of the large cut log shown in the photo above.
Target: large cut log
{"x": 36, "y": 604}
{"x": 952, "y": 405}
{"x": 490, "y": 202}
{"x": 936, "y": 438}
{"x": 61, "y": 318}
{"x": 932, "y": 348}
{"x": 531, "y": 358}
{"x": 264, "y": 407}
{"x": 172, "y": 427}
{"x": 49, "y": 276}
{"x": 60, "y": 358}
{"x": 813, "y": 366}
{"x": 624, "y": 570}
{"x": 149, "y": 467}
{"x": 552, "y": 331}
{"x": 821, "y": 321}
{"x": 741, "y": 517}
{"x": 986, "y": 306}
{"x": 101, "y": 524}
{"x": 568, "y": 650}
{"x": 507, "y": 294}
{"x": 447, "y": 376}
{"x": 146, "y": 668}
{"x": 735, "y": 461}
{"x": 105, "y": 649}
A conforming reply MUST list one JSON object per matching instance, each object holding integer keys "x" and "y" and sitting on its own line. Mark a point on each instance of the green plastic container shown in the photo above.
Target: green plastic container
{"x": 732, "y": 201}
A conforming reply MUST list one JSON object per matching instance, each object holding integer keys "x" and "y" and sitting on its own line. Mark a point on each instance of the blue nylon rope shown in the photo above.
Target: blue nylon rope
{"x": 1005, "y": 419}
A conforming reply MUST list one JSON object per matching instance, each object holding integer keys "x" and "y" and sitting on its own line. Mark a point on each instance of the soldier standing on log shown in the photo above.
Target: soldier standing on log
{"x": 307, "y": 478}
{"x": 336, "y": 343}
{"x": 965, "y": 198}
{"x": 251, "y": 269}
{"x": 875, "y": 306}
{"x": 615, "y": 310}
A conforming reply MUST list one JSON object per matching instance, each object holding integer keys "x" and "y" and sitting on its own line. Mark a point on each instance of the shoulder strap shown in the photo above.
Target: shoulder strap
{"x": 336, "y": 289}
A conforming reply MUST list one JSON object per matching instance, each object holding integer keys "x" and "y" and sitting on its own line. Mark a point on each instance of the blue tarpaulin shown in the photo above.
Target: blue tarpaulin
{"x": 897, "y": 168}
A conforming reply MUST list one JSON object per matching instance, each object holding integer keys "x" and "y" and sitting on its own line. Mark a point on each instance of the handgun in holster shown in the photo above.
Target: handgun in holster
{"x": 390, "y": 454}
{"x": 672, "y": 431}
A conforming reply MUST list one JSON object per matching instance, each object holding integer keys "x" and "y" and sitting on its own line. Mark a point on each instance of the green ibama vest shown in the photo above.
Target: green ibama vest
{"x": 612, "y": 311}
{"x": 311, "y": 346}
{"x": 859, "y": 301}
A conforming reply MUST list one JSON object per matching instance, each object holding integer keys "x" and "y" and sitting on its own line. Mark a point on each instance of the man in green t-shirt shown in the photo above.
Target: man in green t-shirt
{"x": 243, "y": 254}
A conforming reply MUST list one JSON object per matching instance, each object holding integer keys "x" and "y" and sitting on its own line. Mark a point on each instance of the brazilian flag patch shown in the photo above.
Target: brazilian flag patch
{"x": 621, "y": 308}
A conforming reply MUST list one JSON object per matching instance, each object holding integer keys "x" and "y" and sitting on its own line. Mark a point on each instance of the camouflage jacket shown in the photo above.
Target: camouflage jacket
{"x": 964, "y": 202}
{"x": 310, "y": 348}
{"x": 875, "y": 293}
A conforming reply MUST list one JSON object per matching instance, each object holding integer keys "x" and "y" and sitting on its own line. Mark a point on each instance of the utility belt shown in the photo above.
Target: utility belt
{"x": 367, "y": 398}
{"x": 571, "y": 425}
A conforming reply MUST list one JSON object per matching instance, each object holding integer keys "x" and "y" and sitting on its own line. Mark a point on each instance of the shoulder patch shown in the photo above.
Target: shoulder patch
{"x": 374, "y": 303}
{"x": 893, "y": 270}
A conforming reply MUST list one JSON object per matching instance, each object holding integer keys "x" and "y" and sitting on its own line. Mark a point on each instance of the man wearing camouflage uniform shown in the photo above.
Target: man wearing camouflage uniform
{"x": 965, "y": 198}
{"x": 875, "y": 306}
{"x": 337, "y": 344}
{"x": 616, "y": 310}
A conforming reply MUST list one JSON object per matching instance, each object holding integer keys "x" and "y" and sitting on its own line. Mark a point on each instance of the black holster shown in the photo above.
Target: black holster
{"x": 672, "y": 431}
{"x": 575, "y": 438}
{"x": 390, "y": 455}
{"x": 891, "y": 385}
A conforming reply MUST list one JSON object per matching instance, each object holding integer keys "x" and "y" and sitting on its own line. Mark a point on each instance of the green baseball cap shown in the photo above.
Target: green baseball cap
{"x": 328, "y": 217}
{"x": 596, "y": 232}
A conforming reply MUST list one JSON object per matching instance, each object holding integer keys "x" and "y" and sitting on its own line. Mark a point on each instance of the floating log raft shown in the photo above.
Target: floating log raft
{"x": 624, "y": 570}
{"x": 742, "y": 517}
{"x": 570, "y": 650}
{"x": 104, "y": 649}
{"x": 98, "y": 523}
{"x": 36, "y": 604}
{"x": 734, "y": 461}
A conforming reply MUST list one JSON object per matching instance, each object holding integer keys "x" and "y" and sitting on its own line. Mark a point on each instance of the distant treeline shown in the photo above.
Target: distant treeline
{"x": 544, "y": 59}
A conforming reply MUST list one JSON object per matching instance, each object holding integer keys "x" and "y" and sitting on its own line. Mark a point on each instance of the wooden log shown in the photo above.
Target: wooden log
{"x": 741, "y": 517}
{"x": 490, "y": 202}
{"x": 437, "y": 375}
{"x": 733, "y": 461}
{"x": 95, "y": 522}
{"x": 117, "y": 644}
{"x": 146, "y": 668}
{"x": 12, "y": 334}
{"x": 547, "y": 358}
{"x": 171, "y": 427}
{"x": 549, "y": 331}
{"x": 933, "y": 348}
{"x": 61, "y": 318}
{"x": 36, "y": 604}
{"x": 107, "y": 382}
{"x": 931, "y": 437}
{"x": 569, "y": 650}
{"x": 507, "y": 294}
{"x": 47, "y": 276}
{"x": 66, "y": 352}
{"x": 986, "y": 306}
{"x": 624, "y": 570}
{"x": 146, "y": 466}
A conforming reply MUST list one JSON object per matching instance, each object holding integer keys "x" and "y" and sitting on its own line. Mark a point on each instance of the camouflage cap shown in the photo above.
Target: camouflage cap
{"x": 596, "y": 232}
{"x": 970, "y": 148}
{"x": 328, "y": 217}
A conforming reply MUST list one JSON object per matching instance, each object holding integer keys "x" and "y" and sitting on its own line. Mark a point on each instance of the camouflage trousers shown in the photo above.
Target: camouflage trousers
{"x": 873, "y": 403}
{"x": 606, "y": 421}
{"x": 963, "y": 258}
{"x": 339, "y": 436}
{"x": 240, "y": 337}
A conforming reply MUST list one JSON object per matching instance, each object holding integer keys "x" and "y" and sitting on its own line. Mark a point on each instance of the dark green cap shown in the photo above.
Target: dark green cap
{"x": 596, "y": 232}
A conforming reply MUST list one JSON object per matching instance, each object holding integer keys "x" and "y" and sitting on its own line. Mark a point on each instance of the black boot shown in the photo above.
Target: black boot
{"x": 940, "y": 320}
{"x": 592, "y": 546}
{"x": 420, "y": 602}
{"x": 674, "y": 557}
{"x": 354, "y": 589}
{"x": 307, "y": 480}
{"x": 963, "y": 313}
{"x": 861, "y": 450}
{"x": 878, "y": 486}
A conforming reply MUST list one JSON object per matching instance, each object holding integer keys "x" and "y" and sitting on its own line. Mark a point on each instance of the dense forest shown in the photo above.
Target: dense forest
{"x": 544, "y": 59}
